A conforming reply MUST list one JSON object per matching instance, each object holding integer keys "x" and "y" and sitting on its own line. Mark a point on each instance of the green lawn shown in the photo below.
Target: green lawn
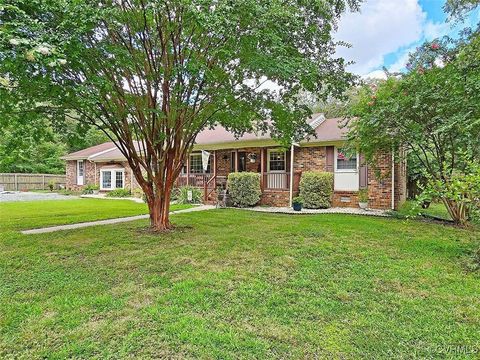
{"x": 411, "y": 208}
{"x": 235, "y": 284}
{"x": 36, "y": 214}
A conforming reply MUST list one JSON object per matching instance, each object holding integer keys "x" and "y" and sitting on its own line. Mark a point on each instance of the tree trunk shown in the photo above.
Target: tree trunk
{"x": 457, "y": 210}
{"x": 159, "y": 207}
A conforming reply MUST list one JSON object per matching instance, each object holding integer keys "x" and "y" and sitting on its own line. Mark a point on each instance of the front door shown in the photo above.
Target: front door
{"x": 277, "y": 169}
{"x": 80, "y": 172}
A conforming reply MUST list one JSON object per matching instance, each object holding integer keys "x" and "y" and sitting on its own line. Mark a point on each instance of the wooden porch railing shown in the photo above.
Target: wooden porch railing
{"x": 276, "y": 181}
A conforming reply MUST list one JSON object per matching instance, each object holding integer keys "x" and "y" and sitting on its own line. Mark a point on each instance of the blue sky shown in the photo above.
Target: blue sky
{"x": 385, "y": 31}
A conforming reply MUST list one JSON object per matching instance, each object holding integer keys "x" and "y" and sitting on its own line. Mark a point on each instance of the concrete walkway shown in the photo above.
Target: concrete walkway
{"x": 109, "y": 221}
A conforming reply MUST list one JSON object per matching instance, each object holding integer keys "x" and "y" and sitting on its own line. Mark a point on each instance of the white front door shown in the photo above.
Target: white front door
{"x": 80, "y": 172}
{"x": 277, "y": 169}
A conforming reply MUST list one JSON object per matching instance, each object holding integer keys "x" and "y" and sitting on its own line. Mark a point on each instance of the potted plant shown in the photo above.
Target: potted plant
{"x": 363, "y": 198}
{"x": 297, "y": 203}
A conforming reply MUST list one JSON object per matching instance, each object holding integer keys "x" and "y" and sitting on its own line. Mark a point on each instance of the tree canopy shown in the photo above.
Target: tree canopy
{"x": 153, "y": 74}
{"x": 433, "y": 110}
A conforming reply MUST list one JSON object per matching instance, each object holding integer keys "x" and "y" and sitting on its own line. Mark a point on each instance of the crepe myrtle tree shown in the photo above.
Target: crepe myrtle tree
{"x": 152, "y": 74}
{"x": 432, "y": 111}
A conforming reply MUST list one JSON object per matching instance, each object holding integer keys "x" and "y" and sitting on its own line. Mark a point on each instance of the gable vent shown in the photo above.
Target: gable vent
{"x": 316, "y": 122}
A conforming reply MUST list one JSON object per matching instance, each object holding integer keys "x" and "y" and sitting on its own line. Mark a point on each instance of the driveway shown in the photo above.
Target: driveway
{"x": 8, "y": 196}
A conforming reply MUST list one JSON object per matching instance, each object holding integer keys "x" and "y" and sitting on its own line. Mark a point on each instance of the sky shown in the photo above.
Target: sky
{"x": 385, "y": 31}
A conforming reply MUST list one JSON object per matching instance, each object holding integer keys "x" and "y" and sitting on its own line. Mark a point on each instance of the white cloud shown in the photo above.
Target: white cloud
{"x": 376, "y": 74}
{"x": 386, "y": 27}
{"x": 382, "y": 27}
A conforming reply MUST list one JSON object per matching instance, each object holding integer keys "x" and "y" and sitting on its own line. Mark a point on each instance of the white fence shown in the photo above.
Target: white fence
{"x": 21, "y": 182}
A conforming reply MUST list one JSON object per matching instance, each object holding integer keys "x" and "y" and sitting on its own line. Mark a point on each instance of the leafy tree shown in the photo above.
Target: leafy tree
{"x": 152, "y": 74}
{"x": 459, "y": 8}
{"x": 30, "y": 148}
{"x": 433, "y": 111}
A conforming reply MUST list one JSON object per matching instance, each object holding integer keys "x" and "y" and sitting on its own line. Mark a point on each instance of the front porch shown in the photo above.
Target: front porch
{"x": 272, "y": 164}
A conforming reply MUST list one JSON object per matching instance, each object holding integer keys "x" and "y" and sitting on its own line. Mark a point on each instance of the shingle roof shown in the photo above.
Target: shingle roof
{"x": 326, "y": 130}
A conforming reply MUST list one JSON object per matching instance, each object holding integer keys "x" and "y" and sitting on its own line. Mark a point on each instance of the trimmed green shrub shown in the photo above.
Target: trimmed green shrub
{"x": 244, "y": 188}
{"x": 90, "y": 189}
{"x": 119, "y": 193}
{"x": 316, "y": 189}
{"x": 182, "y": 195}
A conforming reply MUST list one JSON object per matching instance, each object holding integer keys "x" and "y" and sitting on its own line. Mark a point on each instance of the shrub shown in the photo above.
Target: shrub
{"x": 90, "y": 188}
{"x": 52, "y": 185}
{"x": 182, "y": 197}
{"x": 137, "y": 192}
{"x": 297, "y": 200}
{"x": 244, "y": 188}
{"x": 119, "y": 193}
{"x": 363, "y": 195}
{"x": 316, "y": 189}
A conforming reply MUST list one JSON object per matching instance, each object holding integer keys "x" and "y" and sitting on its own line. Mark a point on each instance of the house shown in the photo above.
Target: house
{"x": 280, "y": 170}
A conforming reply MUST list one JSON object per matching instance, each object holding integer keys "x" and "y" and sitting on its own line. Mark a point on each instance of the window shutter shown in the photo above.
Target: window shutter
{"x": 330, "y": 158}
{"x": 287, "y": 161}
{"x": 363, "y": 173}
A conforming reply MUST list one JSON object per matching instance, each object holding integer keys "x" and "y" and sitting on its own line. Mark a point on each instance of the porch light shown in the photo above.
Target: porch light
{"x": 252, "y": 157}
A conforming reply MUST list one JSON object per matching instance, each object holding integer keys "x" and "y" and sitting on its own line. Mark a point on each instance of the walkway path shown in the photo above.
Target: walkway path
{"x": 108, "y": 222}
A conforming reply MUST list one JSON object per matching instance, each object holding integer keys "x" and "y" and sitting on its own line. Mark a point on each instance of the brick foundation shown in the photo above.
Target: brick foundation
{"x": 275, "y": 198}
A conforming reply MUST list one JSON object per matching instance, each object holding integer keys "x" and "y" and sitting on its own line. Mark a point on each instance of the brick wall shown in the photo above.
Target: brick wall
{"x": 279, "y": 198}
{"x": 92, "y": 177}
{"x": 310, "y": 159}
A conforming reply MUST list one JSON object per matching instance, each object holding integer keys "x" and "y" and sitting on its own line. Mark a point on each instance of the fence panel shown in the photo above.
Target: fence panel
{"x": 23, "y": 182}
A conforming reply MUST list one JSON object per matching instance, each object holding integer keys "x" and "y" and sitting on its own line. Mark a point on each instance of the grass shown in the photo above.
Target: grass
{"x": 437, "y": 209}
{"x": 36, "y": 214}
{"x": 235, "y": 284}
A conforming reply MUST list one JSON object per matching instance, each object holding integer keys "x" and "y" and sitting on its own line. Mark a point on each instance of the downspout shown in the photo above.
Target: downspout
{"x": 393, "y": 180}
{"x": 291, "y": 173}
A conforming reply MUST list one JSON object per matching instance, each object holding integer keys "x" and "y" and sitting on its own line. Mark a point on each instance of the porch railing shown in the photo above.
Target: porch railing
{"x": 195, "y": 180}
{"x": 270, "y": 181}
{"x": 276, "y": 181}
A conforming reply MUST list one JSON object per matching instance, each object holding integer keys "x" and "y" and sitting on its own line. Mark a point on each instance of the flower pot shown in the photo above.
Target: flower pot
{"x": 96, "y": 192}
{"x": 297, "y": 207}
{"x": 363, "y": 205}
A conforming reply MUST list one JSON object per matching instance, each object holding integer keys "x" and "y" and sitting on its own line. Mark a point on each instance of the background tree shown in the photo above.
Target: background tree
{"x": 152, "y": 74}
{"x": 459, "y": 8}
{"x": 433, "y": 111}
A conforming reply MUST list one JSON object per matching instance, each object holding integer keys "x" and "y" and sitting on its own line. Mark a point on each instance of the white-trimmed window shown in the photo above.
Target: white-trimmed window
{"x": 111, "y": 179}
{"x": 345, "y": 160}
{"x": 277, "y": 161}
{"x": 196, "y": 165}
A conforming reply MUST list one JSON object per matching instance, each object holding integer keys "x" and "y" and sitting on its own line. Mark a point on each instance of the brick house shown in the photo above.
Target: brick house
{"x": 280, "y": 169}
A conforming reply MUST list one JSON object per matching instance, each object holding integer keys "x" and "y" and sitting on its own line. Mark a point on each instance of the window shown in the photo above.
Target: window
{"x": 106, "y": 179}
{"x": 196, "y": 166}
{"x": 276, "y": 160}
{"x": 80, "y": 172}
{"x": 118, "y": 179}
{"x": 80, "y": 168}
{"x": 112, "y": 179}
{"x": 346, "y": 159}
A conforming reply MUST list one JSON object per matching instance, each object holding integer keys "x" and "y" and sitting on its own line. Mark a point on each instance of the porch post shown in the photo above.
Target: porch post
{"x": 188, "y": 170}
{"x": 291, "y": 173}
{"x": 262, "y": 168}
{"x": 236, "y": 160}
{"x": 215, "y": 163}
